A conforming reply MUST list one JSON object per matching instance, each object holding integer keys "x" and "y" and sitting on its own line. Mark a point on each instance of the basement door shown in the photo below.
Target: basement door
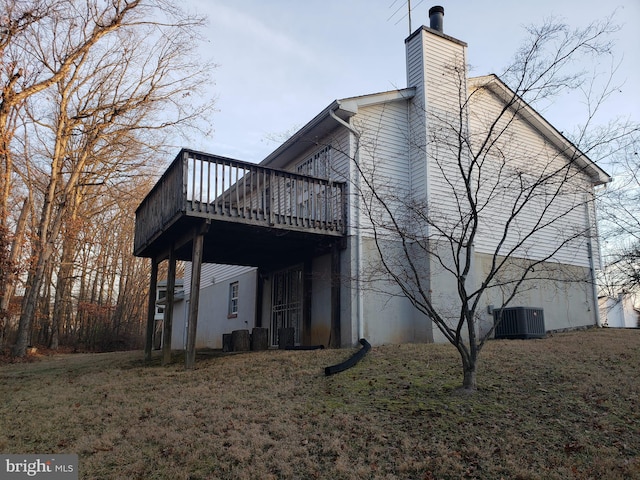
{"x": 286, "y": 303}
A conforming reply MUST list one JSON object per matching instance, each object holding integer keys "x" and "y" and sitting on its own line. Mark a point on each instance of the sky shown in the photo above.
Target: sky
{"x": 280, "y": 62}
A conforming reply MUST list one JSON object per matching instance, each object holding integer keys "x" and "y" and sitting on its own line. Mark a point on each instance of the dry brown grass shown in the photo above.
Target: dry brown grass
{"x": 564, "y": 407}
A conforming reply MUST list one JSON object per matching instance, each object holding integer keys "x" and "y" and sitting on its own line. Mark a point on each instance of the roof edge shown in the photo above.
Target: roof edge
{"x": 302, "y": 132}
{"x": 435, "y": 32}
{"x": 530, "y": 114}
{"x": 344, "y": 108}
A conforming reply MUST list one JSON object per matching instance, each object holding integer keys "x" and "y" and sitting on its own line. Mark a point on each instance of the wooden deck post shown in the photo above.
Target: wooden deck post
{"x": 151, "y": 310}
{"x": 306, "y": 301}
{"x": 259, "y": 293}
{"x": 196, "y": 270}
{"x": 336, "y": 279}
{"x": 167, "y": 324}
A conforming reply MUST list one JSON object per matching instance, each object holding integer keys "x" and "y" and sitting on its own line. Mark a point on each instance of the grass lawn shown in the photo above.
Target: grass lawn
{"x": 565, "y": 407}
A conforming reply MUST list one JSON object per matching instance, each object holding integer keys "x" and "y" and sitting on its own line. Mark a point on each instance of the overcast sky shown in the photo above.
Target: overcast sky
{"x": 282, "y": 61}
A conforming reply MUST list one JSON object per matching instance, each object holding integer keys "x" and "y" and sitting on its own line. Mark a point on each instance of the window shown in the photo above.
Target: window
{"x": 162, "y": 295}
{"x": 309, "y": 196}
{"x": 317, "y": 165}
{"x": 233, "y": 299}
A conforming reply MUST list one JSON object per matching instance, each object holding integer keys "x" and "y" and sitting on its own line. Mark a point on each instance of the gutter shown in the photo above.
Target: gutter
{"x": 300, "y": 134}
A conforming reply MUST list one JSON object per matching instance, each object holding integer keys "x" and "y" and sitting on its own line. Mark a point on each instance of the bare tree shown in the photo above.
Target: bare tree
{"x": 104, "y": 305}
{"x": 527, "y": 206}
{"x": 118, "y": 76}
{"x": 15, "y": 20}
{"x": 620, "y": 213}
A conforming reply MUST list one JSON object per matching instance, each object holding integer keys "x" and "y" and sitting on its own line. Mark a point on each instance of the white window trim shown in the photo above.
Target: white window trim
{"x": 233, "y": 300}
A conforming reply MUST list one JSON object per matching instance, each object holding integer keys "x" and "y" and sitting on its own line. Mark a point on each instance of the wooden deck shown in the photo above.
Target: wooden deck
{"x": 241, "y": 199}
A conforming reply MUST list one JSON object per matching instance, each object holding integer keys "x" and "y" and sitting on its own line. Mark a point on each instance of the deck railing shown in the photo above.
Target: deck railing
{"x": 202, "y": 185}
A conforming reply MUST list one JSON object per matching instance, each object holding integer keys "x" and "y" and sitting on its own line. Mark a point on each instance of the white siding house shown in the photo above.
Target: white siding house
{"x": 620, "y": 311}
{"x": 161, "y": 305}
{"x": 227, "y": 303}
{"x": 401, "y": 146}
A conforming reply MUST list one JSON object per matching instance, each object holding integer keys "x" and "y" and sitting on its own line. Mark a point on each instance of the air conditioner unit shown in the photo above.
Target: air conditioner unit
{"x": 519, "y": 322}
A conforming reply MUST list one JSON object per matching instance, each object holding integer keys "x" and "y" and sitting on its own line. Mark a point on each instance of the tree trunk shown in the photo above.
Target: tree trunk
{"x": 260, "y": 339}
{"x": 64, "y": 281}
{"x": 44, "y": 313}
{"x": 151, "y": 309}
{"x": 30, "y": 303}
{"x": 196, "y": 258}
{"x": 63, "y": 291}
{"x": 47, "y": 232}
{"x": 469, "y": 382}
{"x": 240, "y": 340}
{"x": 9, "y": 277}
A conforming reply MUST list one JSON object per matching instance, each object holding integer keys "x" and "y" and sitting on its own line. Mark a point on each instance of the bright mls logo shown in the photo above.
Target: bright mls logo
{"x": 50, "y": 467}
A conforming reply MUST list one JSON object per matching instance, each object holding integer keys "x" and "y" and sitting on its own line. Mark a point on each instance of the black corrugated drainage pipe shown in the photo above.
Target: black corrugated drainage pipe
{"x": 350, "y": 362}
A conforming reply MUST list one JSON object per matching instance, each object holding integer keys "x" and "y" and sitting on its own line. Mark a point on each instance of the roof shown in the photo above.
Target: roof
{"x": 323, "y": 123}
{"x": 345, "y": 108}
{"x": 501, "y": 90}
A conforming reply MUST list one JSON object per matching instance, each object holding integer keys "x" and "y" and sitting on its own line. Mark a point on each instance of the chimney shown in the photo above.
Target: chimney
{"x": 436, "y": 15}
{"x": 436, "y": 68}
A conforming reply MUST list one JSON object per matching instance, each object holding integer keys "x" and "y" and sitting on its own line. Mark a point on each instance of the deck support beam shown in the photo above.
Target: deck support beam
{"x": 151, "y": 310}
{"x": 307, "y": 286}
{"x": 196, "y": 271}
{"x": 167, "y": 324}
{"x": 336, "y": 280}
{"x": 259, "y": 294}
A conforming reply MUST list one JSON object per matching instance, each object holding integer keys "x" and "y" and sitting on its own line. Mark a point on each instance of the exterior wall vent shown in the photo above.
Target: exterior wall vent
{"x": 520, "y": 322}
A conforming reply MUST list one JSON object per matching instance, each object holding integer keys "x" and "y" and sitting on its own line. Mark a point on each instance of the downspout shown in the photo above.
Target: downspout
{"x": 592, "y": 269}
{"x": 186, "y": 324}
{"x": 359, "y": 302}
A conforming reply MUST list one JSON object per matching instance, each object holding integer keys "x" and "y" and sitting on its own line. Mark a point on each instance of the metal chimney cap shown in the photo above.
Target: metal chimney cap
{"x": 436, "y": 14}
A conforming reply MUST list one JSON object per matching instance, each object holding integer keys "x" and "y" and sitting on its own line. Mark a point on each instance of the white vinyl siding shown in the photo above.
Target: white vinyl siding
{"x": 558, "y": 211}
{"x": 418, "y": 128}
{"x": 384, "y": 156}
{"x": 340, "y": 156}
{"x": 234, "y": 289}
{"x": 444, "y": 90}
{"x": 384, "y": 142}
{"x": 436, "y": 67}
{"x": 213, "y": 273}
